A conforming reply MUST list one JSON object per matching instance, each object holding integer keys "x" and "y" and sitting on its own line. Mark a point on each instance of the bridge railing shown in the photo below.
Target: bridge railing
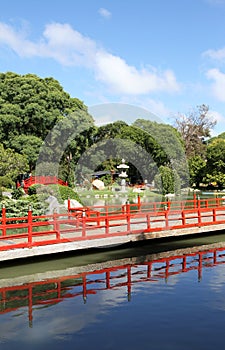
{"x": 43, "y": 180}
{"x": 155, "y": 207}
{"x": 84, "y": 224}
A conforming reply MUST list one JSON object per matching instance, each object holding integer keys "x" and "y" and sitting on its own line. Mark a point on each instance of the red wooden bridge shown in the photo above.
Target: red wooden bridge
{"x": 105, "y": 226}
{"x": 124, "y": 274}
{"x": 43, "y": 180}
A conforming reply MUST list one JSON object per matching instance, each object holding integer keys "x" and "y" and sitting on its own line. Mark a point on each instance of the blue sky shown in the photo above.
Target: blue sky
{"x": 167, "y": 56}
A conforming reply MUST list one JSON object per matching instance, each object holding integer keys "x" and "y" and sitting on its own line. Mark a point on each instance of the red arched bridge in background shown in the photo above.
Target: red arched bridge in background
{"x": 25, "y": 183}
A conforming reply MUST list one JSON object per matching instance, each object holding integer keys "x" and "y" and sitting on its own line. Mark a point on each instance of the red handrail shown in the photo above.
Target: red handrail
{"x": 155, "y": 207}
{"x": 86, "y": 224}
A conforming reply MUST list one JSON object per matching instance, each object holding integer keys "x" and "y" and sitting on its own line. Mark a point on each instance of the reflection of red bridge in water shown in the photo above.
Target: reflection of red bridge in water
{"x": 122, "y": 275}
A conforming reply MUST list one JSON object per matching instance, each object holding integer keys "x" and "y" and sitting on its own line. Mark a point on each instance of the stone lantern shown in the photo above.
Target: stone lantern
{"x": 123, "y": 175}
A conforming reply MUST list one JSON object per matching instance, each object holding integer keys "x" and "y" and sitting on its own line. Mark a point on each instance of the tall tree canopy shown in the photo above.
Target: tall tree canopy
{"x": 31, "y": 105}
{"x": 29, "y": 108}
{"x": 140, "y": 148}
{"x": 170, "y": 144}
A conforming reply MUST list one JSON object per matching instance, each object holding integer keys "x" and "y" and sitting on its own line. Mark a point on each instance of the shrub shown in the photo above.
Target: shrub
{"x": 60, "y": 192}
{"x": 20, "y": 207}
{"x": 67, "y": 192}
{"x": 18, "y": 193}
{"x": 34, "y": 189}
{"x": 6, "y": 182}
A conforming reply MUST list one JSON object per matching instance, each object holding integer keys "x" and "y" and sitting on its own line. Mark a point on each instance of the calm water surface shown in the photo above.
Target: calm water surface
{"x": 160, "y": 296}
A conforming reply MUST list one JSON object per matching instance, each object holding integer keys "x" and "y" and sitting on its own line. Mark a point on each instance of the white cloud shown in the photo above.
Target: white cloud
{"x": 153, "y": 106}
{"x": 220, "y": 120}
{"x": 214, "y": 115}
{"x": 124, "y": 78}
{"x": 16, "y": 41}
{"x": 158, "y": 107}
{"x": 104, "y": 13}
{"x": 70, "y": 48}
{"x": 59, "y": 41}
{"x": 218, "y": 85}
{"x": 215, "y": 54}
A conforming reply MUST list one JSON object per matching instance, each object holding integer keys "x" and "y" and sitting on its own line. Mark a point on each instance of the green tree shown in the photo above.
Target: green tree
{"x": 197, "y": 168}
{"x": 215, "y": 162}
{"x": 37, "y": 114}
{"x": 118, "y": 140}
{"x": 164, "y": 180}
{"x": 60, "y": 144}
{"x": 28, "y": 145}
{"x": 30, "y": 105}
{"x": 170, "y": 147}
{"x": 12, "y": 163}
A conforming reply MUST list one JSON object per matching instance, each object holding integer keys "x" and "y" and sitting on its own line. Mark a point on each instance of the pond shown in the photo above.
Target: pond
{"x": 164, "y": 295}
{"x": 98, "y": 199}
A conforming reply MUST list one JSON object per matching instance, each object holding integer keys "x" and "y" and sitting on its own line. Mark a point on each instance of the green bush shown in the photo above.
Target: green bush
{"x": 34, "y": 189}
{"x": 20, "y": 207}
{"x": 6, "y": 182}
{"x": 67, "y": 192}
{"x": 18, "y": 193}
{"x": 60, "y": 192}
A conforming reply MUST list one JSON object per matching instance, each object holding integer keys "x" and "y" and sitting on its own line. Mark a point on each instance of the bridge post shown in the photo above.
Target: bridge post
{"x": 128, "y": 215}
{"x": 83, "y": 224}
{"x": 199, "y": 216}
{"x": 168, "y": 204}
{"x": 68, "y": 204}
{"x": 183, "y": 218}
{"x": 166, "y": 219}
{"x": 56, "y": 224}
{"x": 148, "y": 222}
{"x": 3, "y": 220}
{"x": 107, "y": 224}
{"x": 98, "y": 219}
{"x": 214, "y": 214}
{"x": 29, "y": 221}
{"x": 139, "y": 202}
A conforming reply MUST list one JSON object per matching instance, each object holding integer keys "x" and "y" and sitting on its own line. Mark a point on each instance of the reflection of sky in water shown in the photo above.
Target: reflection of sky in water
{"x": 178, "y": 313}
